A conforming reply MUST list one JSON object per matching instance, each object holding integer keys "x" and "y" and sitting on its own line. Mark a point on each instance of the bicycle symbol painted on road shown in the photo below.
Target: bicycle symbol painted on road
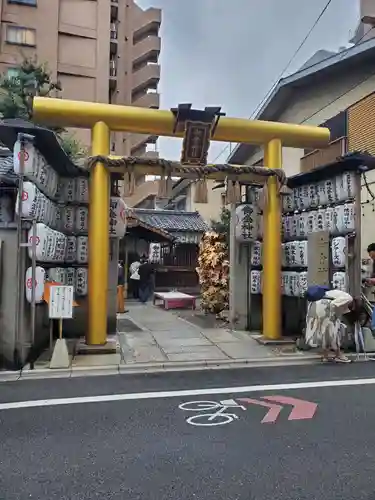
{"x": 211, "y": 412}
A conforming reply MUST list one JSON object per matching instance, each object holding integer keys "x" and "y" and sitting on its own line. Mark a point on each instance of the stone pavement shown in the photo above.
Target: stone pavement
{"x": 149, "y": 334}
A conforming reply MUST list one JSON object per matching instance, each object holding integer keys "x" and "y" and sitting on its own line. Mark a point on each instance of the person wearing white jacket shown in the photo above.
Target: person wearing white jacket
{"x": 324, "y": 329}
{"x": 134, "y": 277}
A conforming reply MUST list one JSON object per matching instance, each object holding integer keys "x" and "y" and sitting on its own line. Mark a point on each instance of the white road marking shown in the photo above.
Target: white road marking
{"x": 188, "y": 392}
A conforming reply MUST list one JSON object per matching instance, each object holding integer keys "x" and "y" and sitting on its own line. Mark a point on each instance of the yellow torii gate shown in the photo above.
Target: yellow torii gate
{"x": 103, "y": 118}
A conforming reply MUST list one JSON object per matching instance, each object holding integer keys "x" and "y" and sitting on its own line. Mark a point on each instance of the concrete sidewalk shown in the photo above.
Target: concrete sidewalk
{"x": 151, "y": 339}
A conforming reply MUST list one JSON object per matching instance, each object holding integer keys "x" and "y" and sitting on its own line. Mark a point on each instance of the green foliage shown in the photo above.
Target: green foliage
{"x": 17, "y": 90}
{"x": 222, "y": 226}
{"x": 72, "y": 146}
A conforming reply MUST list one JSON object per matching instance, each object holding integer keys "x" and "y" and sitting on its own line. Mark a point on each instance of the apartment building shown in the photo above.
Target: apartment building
{"x": 100, "y": 50}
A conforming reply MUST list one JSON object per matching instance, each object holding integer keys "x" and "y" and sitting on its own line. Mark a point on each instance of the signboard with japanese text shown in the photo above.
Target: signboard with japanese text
{"x": 61, "y": 302}
{"x": 196, "y": 143}
{"x": 247, "y": 223}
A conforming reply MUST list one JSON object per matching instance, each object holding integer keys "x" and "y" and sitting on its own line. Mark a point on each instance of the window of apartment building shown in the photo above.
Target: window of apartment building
{"x": 24, "y": 2}
{"x": 18, "y": 35}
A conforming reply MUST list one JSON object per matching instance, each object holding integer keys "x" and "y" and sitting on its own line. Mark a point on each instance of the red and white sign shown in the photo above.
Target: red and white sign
{"x": 26, "y": 155}
{"x": 37, "y": 240}
{"x": 29, "y": 283}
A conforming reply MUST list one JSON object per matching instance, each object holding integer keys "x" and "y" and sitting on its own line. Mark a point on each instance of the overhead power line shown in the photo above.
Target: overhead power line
{"x": 296, "y": 52}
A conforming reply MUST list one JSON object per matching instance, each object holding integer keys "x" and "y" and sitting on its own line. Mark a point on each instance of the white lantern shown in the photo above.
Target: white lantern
{"x": 255, "y": 282}
{"x": 348, "y": 217}
{"x": 302, "y": 254}
{"x": 42, "y": 174}
{"x": 117, "y": 218}
{"x": 67, "y": 193}
{"x": 29, "y": 204}
{"x": 40, "y": 278}
{"x": 81, "y": 190}
{"x": 329, "y": 220}
{"x": 338, "y": 248}
{"x": 256, "y": 253}
{"x": 302, "y": 283}
{"x": 81, "y": 281}
{"x": 154, "y": 253}
{"x": 294, "y": 284}
{"x": 303, "y": 224}
{"x": 61, "y": 241}
{"x": 71, "y": 249}
{"x": 70, "y": 276}
{"x": 58, "y": 275}
{"x": 82, "y": 249}
{"x": 30, "y": 160}
{"x": 81, "y": 225}
{"x": 339, "y": 281}
{"x": 41, "y": 242}
{"x": 68, "y": 216}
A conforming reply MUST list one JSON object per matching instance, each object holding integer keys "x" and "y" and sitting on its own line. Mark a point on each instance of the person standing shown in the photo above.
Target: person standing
{"x": 146, "y": 275}
{"x": 134, "y": 278}
{"x": 370, "y": 282}
{"x": 120, "y": 288}
{"x": 371, "y": 253}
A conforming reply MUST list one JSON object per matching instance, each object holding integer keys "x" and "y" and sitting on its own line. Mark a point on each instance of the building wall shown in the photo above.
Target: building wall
{"x": 211, "y": 210}
{"x": 324, "y": 100}
{"x": 74, "y": 38}
{"x": 316, "y": 104}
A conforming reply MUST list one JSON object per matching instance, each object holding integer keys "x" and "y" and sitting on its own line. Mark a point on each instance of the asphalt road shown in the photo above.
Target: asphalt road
{"x": 138, "y": 445}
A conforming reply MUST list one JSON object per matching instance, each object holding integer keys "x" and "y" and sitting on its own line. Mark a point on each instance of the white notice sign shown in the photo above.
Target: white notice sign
{"x": 61, "y": 302}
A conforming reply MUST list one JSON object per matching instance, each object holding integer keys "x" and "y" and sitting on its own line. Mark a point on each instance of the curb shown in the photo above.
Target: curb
{"x": 164, "y": 367}
{"x": 154, "y": 367}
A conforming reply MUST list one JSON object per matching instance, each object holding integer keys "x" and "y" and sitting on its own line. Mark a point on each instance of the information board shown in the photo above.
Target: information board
{"x": 61, "y": 302}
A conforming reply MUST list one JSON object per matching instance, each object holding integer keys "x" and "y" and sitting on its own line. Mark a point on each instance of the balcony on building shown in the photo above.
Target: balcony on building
{"x": 151, "y": 154}
{"x": 319, "y": 157}
{"x": 145, "y": 76}
{"x": 146, "y": 51}
{"x": 139, "y": 143}
{"x": 112, "y": 73}
{"x": 146, "y": 150}
{"x": 338, "y": 146}
{"x": 114, "y": 10}
{"x": 146, "y": 100}
{"x": 147, "y": 23}
{"x": 114, "y": 38}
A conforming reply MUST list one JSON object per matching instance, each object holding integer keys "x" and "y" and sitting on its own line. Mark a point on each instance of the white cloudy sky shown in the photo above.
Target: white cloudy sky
{"x": 229, "y": 53}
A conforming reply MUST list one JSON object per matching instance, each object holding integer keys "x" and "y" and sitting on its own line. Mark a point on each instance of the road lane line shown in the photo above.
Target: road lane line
{"x": 184, "y": 393}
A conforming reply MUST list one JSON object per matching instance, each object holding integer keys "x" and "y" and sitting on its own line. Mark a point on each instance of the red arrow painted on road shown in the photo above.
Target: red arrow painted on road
{"x": 302, "y": 410}
{"x": 273, "y": 412}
